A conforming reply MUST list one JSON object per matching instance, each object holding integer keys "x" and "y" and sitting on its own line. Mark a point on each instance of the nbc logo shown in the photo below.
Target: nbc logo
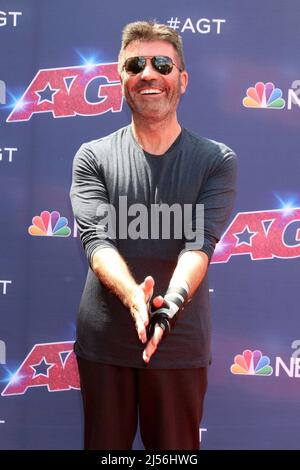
{"x": 264, "y": 95}
{"x": 49, "y": 224}
{"x": 251, "y": 363}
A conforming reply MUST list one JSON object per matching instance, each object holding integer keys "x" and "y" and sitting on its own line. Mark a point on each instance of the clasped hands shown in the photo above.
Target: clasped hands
{"x": 139, "y": 309}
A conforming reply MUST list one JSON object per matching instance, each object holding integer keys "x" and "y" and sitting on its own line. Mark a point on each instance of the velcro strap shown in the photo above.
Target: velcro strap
{"x": 177, "y": 295}
{"x": 177, "y": 290}
{"x": 165, "y": 316}
{"x": 161, "y": 317}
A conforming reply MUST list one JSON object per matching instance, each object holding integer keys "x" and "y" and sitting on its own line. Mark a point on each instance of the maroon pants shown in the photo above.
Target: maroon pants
{"x": 168, "y": 403}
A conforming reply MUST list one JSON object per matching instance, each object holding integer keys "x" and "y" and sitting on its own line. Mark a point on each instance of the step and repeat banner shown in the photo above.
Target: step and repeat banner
{"x": 59, "y": 87}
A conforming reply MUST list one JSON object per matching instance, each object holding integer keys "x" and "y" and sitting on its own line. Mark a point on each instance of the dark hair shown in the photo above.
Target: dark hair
{"x": 151, "y": 31}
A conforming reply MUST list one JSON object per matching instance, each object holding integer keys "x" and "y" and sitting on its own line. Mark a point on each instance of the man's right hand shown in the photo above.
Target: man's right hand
{"x": 113, "y": 272}
{"x": 138, "y": 306}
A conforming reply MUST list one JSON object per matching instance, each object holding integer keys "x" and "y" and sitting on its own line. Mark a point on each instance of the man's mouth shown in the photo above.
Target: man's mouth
{"x": 150, "y": 91}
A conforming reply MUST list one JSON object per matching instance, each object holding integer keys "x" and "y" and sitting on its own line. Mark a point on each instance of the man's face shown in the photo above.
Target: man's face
{"x": 150, "y": 94}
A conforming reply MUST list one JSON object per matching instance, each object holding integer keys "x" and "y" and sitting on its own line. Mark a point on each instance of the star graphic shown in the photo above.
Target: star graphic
{"x": 245, "y": 237}
{"x": 41, "y": 368}
{"x": 46, "y": 94}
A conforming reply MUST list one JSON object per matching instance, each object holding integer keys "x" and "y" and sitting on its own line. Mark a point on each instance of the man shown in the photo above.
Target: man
{"x": 140, "y": 358}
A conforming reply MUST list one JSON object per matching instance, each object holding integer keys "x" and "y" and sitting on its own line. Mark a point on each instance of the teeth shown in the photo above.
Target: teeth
{"x": 150, "y": 91}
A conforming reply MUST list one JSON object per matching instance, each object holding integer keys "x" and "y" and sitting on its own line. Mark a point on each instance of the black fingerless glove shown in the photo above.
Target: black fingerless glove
{"x": 165, "y": 316}
{"x": 161, "y": 317}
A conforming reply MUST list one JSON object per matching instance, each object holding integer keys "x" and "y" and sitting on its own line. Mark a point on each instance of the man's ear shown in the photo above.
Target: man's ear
{"x": 184, "y": 79}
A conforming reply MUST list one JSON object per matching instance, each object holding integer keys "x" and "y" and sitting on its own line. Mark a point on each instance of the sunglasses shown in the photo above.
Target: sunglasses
{"x": 161, "y": 63}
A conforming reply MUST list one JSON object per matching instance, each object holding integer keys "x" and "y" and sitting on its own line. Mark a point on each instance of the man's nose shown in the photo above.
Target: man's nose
{"x": 149, "y": 72}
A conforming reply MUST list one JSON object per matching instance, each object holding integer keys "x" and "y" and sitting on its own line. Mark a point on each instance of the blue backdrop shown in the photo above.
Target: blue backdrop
{"x": 58, "y": 88}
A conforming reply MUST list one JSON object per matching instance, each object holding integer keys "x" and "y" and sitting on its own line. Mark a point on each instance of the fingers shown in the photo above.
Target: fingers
{"x": 141, "y": 330}
{"x": 142, "y": 313}
{"x": 140, "y": 316}
{"x": 149, "y": 282}
{"x": 147, "y": 287}
{"x": 153, "y": 343}
{"x": 158, "y": 301}
{"x": 139, "y": 308}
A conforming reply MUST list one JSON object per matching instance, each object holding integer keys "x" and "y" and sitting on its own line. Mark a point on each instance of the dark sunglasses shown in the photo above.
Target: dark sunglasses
{"x": 161, "y": 63}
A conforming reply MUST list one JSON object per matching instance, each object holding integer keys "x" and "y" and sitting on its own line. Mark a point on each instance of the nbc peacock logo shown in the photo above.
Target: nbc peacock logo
{"x": 264, "y": 95}
{"x": 251, "y": 363}
{"x": 49, "y": 224}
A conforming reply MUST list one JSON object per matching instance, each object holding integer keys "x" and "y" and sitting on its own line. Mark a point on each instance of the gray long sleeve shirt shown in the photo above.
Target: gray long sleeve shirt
{"x": 115, "y": 180}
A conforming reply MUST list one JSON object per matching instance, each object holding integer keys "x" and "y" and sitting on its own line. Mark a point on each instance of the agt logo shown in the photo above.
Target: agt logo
{"x": 7, "y": 153}
{"x": 10, "y": 18}
{"x": 87, "y": 90}
{"x": 201, "y": 25}
{"x": 255, "y": 363}
{"x": 51, "y": 365}
{"x": 3, "y": 286}
{"x": 261, "y": 235}
{"x": 266, "y": 96}
{"x": 49, "y": 224}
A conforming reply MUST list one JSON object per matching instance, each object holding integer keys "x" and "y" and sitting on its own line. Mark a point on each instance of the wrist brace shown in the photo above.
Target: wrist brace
{"x": 165, "y": 316}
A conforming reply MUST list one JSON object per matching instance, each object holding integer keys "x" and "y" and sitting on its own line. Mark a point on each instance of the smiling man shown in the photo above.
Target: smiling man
{"x": 153, "y": 97}
{"x": 143, "y": 330}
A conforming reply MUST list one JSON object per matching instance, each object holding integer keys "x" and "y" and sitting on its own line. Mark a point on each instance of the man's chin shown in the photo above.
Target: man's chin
{"x": 155, "y": 116}
{"x": 148, "y": 112}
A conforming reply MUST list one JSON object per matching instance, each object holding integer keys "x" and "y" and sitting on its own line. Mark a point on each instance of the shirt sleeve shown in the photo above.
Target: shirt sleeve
{"x": 217, "y": 197}
{"x": 90, "y": 202}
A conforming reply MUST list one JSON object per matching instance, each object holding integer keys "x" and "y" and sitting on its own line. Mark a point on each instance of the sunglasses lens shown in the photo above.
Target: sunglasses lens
{"x": 162, "y": 64}
{"x": 135, "y": 65}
